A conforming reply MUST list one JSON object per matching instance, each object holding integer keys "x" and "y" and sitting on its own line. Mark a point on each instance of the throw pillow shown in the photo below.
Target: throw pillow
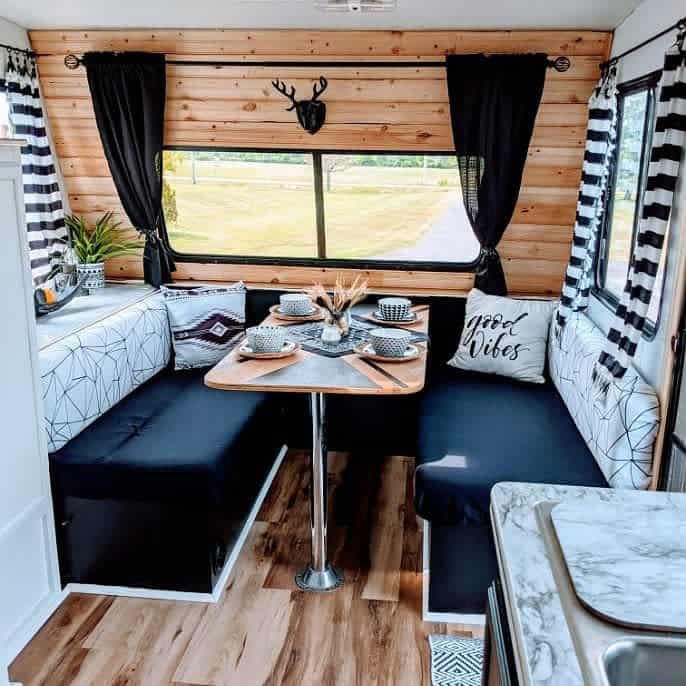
{"x": 504, "y": 336}
{"x": 206, "y": 322}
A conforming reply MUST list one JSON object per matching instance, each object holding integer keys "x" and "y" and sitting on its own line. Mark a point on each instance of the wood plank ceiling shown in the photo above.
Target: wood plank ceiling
{"x": 368, "y": 108}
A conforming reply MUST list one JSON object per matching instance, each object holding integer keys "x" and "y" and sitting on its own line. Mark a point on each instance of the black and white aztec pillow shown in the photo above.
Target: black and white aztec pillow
{"x": 206, "y": 323}
{"x": 456, "y": 661}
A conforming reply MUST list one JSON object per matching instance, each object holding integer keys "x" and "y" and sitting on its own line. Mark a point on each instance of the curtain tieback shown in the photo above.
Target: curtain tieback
{"x": 486, "y": 256}
{"x": 152, "y": 238}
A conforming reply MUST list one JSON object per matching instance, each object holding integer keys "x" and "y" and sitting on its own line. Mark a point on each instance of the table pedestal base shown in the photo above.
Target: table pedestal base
{"x": 319, "y": 575}
{"x": 310, "y": 579}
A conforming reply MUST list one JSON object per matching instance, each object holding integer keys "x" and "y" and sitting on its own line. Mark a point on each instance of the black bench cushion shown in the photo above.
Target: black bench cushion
{"x": 477, "y": 429}
{"x": 172, "y": 440}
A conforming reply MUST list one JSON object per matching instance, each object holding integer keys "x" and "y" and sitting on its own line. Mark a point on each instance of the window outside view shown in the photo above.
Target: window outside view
{"x": 626, "y": 191}
{"x": 256, "y": 204}
{"x": 627, "y": 201}
{"x": 395, "y": 207}
{"x": 381, "y": 207}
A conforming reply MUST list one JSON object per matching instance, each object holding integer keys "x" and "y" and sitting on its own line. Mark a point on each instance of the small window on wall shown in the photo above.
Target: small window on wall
{"x": 636, "y": 116}
{"x": 288, "y": 207}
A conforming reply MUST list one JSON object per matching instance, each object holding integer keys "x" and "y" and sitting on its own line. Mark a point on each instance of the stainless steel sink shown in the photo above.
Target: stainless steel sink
{"x": 646, "y": 662}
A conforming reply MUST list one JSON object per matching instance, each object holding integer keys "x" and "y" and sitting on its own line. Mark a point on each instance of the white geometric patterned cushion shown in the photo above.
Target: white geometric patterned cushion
{"x": 206, "y": 323}
{"x": 86, "y": 373}
{"x": 619, "y": 429}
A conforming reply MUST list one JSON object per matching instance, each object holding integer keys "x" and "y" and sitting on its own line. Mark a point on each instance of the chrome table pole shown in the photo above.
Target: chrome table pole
{"x": 319, "y": 575}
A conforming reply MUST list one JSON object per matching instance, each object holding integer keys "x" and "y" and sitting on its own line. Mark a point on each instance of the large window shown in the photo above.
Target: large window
{"x": 355, "y": 207}
{"x": 240, "y": 204}
{"x": 624, "y": 199}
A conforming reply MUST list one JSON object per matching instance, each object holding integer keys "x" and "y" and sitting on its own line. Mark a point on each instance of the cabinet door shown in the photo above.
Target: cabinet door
{"x": 29, "y": 577}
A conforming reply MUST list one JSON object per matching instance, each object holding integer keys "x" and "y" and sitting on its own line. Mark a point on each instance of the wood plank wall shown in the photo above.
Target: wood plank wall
{"x": 368, "y": 108}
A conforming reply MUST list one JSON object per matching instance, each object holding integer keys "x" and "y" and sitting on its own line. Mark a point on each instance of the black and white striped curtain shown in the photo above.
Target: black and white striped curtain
{"x": 42, "y": 197}
{"x": 600, "y": 142}
{"x": 668, "y": 144}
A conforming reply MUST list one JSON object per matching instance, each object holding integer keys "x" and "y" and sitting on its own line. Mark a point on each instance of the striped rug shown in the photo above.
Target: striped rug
{"x": 456, "y": 661}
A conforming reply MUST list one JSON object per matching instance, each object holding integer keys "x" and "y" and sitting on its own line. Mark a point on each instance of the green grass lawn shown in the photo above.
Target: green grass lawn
{"x": 622, "y": 228}
{"x": 271, "y": 212}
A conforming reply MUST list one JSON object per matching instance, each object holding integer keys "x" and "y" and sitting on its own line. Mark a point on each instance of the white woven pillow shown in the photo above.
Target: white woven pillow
{"x": 206, "y": 322}
{"x": 504, "y": 336}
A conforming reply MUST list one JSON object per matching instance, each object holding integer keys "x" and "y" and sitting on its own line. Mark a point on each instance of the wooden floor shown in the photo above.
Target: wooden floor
{"x": 263, "y": 630}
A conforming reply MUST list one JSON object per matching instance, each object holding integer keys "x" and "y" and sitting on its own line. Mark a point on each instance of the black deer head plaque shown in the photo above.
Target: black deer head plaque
{"x": 311, "y": 113}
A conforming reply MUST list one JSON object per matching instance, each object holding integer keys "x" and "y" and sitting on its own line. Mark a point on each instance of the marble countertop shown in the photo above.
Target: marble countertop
{"x": 627, "y": 564}
{"x": 542, "y": 641}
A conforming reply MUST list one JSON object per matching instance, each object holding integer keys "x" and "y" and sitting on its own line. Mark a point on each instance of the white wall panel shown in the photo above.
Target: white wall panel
{"x": 29, "y": 576}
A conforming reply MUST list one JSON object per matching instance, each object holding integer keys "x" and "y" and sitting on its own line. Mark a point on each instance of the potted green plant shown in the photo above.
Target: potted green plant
{"x": 93, "y": 246}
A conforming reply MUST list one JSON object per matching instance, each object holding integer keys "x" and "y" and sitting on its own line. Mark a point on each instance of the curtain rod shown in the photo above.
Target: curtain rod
{"x": 680, "y": 24}
{"x": 560, "y": 64}
{"x": 30, "y": 53}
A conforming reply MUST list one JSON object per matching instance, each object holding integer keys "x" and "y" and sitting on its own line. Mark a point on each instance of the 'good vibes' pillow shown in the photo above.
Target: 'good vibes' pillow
{"x": 504, "y": 336}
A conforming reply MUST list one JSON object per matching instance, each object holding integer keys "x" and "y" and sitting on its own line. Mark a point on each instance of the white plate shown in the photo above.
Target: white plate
{"x": 367, "y": 350}
{"x": 289, "y": 347}
{"x": 315, "y": 314}
{"x": 314, "y": 310}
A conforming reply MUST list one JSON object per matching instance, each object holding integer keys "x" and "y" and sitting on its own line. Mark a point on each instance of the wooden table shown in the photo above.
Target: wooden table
{"x": 319, "y": 375}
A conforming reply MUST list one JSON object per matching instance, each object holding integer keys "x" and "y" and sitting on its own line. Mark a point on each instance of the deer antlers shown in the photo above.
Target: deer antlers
{"x": 323, "y": 83}
{"x": 311, "y": 113}
{"x": 283, "y": 89}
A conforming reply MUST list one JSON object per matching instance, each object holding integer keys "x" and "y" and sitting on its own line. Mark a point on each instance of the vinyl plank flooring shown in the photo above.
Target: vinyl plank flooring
{"x": 56, "y": 651}
{"x": 386, "y": 539}
{"x": 264, "y": 631}
{"x": 150, "y": 638}
{"x": 289, "y": 492}
{"x": 316, "y": 648}
{"x": 218, "y": 646}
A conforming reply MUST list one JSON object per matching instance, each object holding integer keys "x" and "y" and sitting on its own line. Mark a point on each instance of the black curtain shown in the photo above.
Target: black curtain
{"x": 128, "y": 91}
{"x": 493, "y": 104}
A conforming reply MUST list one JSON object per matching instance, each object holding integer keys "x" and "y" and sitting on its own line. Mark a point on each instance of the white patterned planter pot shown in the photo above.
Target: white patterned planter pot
{"x": 93, "y": 275}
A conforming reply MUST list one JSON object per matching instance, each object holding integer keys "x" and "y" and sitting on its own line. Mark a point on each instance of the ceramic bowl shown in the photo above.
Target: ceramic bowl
{"x": 394, "y": 309}
{"x": 266, "y": 339}
{"x": 296, "y": 304}
{"x": 389, "y": 342}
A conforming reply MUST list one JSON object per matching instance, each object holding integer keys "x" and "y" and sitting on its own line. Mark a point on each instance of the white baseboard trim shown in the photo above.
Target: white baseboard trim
{"x": 427, "y": 614}
{"x": 240, "y": 541}
{"x": 187, "y": 596}
{"x": 149, "y": 593}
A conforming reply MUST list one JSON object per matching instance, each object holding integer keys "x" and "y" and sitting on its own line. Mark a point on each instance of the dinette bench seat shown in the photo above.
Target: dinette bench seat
{"x": 154, "y": 493}
{"x": 476, "y": 430}
{"x": 479, "y": 429}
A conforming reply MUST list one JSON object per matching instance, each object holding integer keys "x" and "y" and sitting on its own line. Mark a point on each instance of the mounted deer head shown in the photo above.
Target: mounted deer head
{"x": 311, "y": 113}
